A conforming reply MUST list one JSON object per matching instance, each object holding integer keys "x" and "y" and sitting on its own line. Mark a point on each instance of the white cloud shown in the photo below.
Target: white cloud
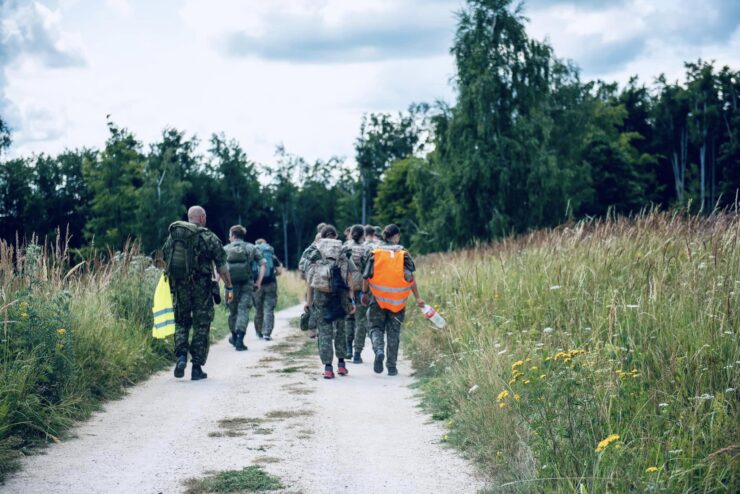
{"x": 121, "y": 7}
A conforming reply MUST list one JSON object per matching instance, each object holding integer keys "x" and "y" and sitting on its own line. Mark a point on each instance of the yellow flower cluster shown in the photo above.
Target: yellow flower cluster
{"x": 604, "y": 443}
{"x": 566, "y": 357}
{"x": 628, "y": 374}
{"x": 502, "y": 395}
{"x": 61, "y": 331}
{"x": 515, "y": 372}
{"x": 24, "y": 315}
{"x": 23, "y": 306}
{"x": 651, "y": 469}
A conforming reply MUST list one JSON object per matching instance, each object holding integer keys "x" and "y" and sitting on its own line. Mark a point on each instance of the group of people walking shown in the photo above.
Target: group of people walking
{"x": 355, "y": 288}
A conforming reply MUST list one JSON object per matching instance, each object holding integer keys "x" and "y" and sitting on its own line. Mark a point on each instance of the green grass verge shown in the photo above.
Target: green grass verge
{"x": 249, "y": 479}
{"x": 602, "y": 357}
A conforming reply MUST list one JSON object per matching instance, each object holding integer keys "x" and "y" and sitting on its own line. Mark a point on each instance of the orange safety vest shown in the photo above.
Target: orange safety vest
{"x": 389, "y": 287}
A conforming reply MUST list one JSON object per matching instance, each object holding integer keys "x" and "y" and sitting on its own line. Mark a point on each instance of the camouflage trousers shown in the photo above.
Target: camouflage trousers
{"x": 239, "y": 307}
{"x": 331, "y": 334}
{"x": 360, "y": 324}
{"x": 265, "y": 300}
{"x": 193, "y": 309}
{"x": 382, "y": 322}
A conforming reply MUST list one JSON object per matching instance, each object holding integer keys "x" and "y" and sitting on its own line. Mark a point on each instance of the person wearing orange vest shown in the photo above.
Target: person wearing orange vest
{"x": 388, "y": 280}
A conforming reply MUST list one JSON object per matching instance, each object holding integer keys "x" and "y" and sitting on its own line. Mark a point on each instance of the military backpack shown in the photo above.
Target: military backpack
{"x": 328, "y": 273}
{"x": 181, "y": 250}
{"x": 239, "y": 260}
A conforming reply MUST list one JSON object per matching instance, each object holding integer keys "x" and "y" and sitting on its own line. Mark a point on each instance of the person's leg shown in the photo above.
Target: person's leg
{"x": 244, "y": 297}
{"x": 182, "y": 304}
{"x": 270, "y": 301}
{"x": 259, "y": 300}
{"x": 394, "y": 322}
{"x": 202, "y": 318}
{"x": 349, "y": 331}
{"x": 376, "y": 325}
{"x": 326, "y": 329}
{"x": 233, "y": 312}
{"x": 360, "y": 329}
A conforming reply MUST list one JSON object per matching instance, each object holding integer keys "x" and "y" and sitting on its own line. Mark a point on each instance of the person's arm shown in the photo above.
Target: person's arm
{"x": 261, "y": 275}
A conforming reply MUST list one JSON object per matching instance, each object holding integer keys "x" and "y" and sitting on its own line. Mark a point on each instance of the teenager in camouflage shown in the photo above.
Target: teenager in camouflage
{"x": 241, "y": 257}
{"x": 265, "y": 298}
{"x": 353, "y": 323}
{"x": 329, "y": 275}
{"x": 190, "y": 252}
{"x": 389, "y": 277}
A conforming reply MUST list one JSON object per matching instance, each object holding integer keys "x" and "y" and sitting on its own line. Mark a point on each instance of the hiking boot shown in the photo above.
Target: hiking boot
{"x": 259, "y": 335}
{"x": 182, "y": 362}
{"x": 392, "y": 371}
{"x": 342, "y": 369}
{"x": 357, "y": 359}
{"x": 348, "y": 348}
{"x": 378, "y": 364}
{"x": 328, "y": 372}
{"x": 239, "y": 345}
{"x": 267, "y": 337}
{"x": 197, "y": 373}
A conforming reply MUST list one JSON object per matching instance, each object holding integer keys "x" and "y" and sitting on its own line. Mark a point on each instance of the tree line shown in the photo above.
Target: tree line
{"x": 527, "y": 144}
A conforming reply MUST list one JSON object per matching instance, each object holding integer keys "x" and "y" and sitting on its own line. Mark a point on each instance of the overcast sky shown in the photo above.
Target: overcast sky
{"x": 297, "y": 72}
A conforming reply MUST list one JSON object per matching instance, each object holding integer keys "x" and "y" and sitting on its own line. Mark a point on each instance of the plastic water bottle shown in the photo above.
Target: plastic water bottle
{"x": 433, "y": 316}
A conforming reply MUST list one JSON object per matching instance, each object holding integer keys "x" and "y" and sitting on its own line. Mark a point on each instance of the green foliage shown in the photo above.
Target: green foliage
{"x": 114, "y": 180}
{"x": 395, "y": 200}
{"x": 560, "y": 339}
{"x": 249, "y": 479}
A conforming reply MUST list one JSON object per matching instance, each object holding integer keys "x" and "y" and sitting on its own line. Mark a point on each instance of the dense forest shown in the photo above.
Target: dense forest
{"x": 526, "y": 144}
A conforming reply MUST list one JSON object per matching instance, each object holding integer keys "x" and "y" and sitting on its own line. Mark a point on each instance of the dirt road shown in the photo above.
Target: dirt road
{"x": 268, "y": 406}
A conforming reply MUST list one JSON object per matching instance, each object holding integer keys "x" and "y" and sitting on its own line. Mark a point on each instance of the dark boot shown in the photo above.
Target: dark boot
{"x": 348, "y": 350}
{"x": 232, "y": 339}
{"x": 378, "y": 364}
{"x": 197, "y": 373}
{"x": 357, "y": 358}
{"x": 182, "y": 362}
{"x": 392, "y": 371}
{"x": 240, "y": 341}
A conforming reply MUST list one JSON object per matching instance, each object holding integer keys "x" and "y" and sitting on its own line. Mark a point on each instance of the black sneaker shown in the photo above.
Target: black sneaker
{"x": 267, "y": 337}
{"x": 259, "y": 335}
{"x": 182, "y": 362}
{"x": 357, "y": 359}
{"x": 392, "y": 371}
{"x": 197, "y": 373}
{"x": 378, "y": 365}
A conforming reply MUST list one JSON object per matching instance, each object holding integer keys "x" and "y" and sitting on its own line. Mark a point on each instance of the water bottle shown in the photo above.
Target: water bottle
{"x": 433, "y": 316}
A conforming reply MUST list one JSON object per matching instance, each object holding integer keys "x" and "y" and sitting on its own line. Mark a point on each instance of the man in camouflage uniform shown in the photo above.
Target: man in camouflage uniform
{"x": 244, "y": 288}
{"x": 332, "y": 338}
{"x": 361, "y": 324}
{"x": 381, "y": 321}
{"x": 265, "y": 299}
{"x": 302, "y": 267}
{"x": 192, "y": 300}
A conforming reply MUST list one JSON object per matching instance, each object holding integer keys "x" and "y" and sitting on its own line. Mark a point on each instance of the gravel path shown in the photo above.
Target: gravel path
{"x": 362, "y": 433}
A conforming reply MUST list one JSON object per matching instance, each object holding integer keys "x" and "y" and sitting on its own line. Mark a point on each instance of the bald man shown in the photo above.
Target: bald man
{"x": 191, "y": 250}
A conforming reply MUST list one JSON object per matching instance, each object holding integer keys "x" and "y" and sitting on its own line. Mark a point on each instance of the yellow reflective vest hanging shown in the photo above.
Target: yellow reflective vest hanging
{"x": 164, "y": 314}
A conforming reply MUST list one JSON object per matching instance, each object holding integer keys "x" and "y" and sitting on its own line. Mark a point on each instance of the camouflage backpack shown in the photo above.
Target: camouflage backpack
{"x": 329, "y": 272}
{"x": 358, "y": 252}
{"x": 181, "y": 250}
{"x": 239, "y": 260}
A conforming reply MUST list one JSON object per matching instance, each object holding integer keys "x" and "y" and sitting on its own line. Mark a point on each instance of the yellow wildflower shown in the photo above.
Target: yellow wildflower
{"x": 24, "y": 315}
{"x": 23, "y": 305}
{"x": 502, "y": 405}
{"x": 517, "y": 397}
{"x": 604, "y": 443}
{"x": 651, "y": 469}
{"x": 526, "y": 381}
{"x": 61, "y": 331}
{"x": 502, "y": 395}
{"x": 517, "y": 364}
{"x": 533, "y": 369}
{"x": 542, "y": 376}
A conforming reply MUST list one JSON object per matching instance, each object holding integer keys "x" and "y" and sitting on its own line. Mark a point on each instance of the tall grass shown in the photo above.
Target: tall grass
{"x": 598, "y": 357}
{"x": 73, "y": 336}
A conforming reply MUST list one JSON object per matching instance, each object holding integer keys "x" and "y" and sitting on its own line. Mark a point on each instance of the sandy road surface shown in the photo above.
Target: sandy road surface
{"x": 361, "y": 434}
